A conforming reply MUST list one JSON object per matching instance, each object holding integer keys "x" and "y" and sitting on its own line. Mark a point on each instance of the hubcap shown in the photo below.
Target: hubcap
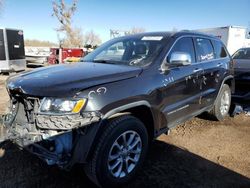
{"x": 225, "y": 103}
{"x": 124, "y": 154}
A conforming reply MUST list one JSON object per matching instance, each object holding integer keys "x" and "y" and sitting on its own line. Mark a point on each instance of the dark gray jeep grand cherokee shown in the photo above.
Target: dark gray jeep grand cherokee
{"x": 104, "y": 111}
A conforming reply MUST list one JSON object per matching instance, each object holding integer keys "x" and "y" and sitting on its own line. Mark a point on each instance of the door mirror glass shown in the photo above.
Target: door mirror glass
{"x": 179, "y": 59}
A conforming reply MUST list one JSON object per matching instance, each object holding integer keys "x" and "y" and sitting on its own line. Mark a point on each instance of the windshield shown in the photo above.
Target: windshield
{"x": 242, "y": 54}
{"x": 133, "y": 51}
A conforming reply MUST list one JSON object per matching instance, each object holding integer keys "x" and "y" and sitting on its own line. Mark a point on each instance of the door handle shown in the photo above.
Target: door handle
{"x": 219, "y": 65}
{"x": 197, "y": 70}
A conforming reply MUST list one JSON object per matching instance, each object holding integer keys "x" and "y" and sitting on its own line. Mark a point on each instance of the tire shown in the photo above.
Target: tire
{"x": 98, "y": 168}
{"x": 222, "y": 103}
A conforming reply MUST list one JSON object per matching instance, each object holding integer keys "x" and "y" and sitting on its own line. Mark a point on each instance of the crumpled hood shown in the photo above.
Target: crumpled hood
{"x": 68, "y": 79}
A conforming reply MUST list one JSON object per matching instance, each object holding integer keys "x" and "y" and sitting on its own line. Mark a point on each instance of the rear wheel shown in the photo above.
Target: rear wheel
{"x": 119, "y": 153}
{"x": 222, "y": 103}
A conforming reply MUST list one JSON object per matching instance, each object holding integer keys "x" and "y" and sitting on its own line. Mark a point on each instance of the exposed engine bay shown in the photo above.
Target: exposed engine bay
{"x": 51, "y": 137}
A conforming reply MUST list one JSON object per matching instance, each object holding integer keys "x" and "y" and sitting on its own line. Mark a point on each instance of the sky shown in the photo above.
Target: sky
{"x": 34, "y": 16}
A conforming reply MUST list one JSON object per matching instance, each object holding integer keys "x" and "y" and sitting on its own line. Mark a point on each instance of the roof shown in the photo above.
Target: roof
{"x": 166, "y": 34}
{"x": 158, "y": 33}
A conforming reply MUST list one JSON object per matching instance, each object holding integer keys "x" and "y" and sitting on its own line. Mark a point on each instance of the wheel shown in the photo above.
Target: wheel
{"x": 119, "y": 153}
{"x": 222, "y": 104}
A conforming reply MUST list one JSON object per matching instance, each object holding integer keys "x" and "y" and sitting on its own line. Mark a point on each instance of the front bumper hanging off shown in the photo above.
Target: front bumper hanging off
{"x": 62, "y": 140}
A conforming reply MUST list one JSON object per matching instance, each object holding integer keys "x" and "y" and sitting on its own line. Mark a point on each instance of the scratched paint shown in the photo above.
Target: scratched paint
{"x": 97, "y": 92}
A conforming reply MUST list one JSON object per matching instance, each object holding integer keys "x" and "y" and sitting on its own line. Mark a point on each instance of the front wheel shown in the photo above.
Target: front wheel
{"x": 119, "y": 153}
{"x": 222, "y": 103}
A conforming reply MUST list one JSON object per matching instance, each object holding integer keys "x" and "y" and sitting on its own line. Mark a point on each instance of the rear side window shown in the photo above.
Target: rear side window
{"x": 184, "y": 45}
{"x": 204, "y": 50}
{"x": 219, "y": 49}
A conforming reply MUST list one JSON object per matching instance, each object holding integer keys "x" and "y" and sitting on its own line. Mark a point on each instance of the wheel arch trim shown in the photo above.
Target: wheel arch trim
{"x": 126, "y": 107}
{"x": 223, "y": 82}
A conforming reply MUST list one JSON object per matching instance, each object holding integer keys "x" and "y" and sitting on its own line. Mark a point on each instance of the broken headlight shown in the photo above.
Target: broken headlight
{"x": 60, "y": 105}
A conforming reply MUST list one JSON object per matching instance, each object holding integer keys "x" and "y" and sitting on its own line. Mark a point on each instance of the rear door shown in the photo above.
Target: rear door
{"x": 212, "y": 56}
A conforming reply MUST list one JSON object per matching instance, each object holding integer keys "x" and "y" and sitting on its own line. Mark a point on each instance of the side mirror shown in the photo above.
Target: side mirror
{"x": 179, "y": 59}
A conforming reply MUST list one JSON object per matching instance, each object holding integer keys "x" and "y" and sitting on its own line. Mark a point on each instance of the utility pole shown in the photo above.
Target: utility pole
{"x": 117, "y": 33}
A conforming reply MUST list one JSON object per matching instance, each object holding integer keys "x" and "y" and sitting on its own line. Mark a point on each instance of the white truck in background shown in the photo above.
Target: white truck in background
{"x": 234, "y": 37}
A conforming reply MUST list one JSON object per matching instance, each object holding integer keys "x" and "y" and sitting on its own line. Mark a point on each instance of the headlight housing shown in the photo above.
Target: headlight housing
{"x": 62, "y": 105}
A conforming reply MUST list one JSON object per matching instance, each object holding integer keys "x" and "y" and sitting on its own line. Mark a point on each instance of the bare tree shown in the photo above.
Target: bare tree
{"x": 174, "y": 29}
{"x": 39, "y": 43}
{"x": 75, "y": 39}
{"x": 72, "y": 35}
{"x": 91, "y": 38}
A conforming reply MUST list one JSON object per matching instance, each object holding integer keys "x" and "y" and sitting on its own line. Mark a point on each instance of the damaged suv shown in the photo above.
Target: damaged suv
{"x": 103, "y": 112}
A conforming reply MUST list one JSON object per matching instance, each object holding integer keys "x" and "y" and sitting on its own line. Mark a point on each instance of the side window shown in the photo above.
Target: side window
{"x": 184, "y": 45}
{"x": 204, "y": 49}
{"x": 242, "y": 54}
{"x": 219, "y": 49}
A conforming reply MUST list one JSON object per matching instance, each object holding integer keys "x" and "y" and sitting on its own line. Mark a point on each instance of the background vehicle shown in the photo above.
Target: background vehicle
{"x": 105, "y": 111}
{"x": 37, "y": 55}
{"x": 242, "y": 76}
{"x": 12, "y": 56}
{"x": 66, "y": 55}
{"x": 234, "y": 37}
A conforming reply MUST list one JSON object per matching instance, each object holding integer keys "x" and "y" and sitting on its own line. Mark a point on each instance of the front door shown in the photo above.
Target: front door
{"x": 181, "y": 86}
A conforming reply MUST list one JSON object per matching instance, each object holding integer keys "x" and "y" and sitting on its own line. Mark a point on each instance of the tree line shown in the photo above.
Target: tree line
{"x": 69, "y": 35}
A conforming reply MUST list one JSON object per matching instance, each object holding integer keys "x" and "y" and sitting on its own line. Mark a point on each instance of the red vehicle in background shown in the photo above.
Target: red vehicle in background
{"x": 65, "y": 55}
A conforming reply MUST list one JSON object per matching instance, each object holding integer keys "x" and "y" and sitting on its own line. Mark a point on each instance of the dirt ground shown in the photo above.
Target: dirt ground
{"x": 199, "y": 153}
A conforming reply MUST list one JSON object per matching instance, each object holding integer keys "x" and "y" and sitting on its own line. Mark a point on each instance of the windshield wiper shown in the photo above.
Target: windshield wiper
{"x": 104, "y": 61}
